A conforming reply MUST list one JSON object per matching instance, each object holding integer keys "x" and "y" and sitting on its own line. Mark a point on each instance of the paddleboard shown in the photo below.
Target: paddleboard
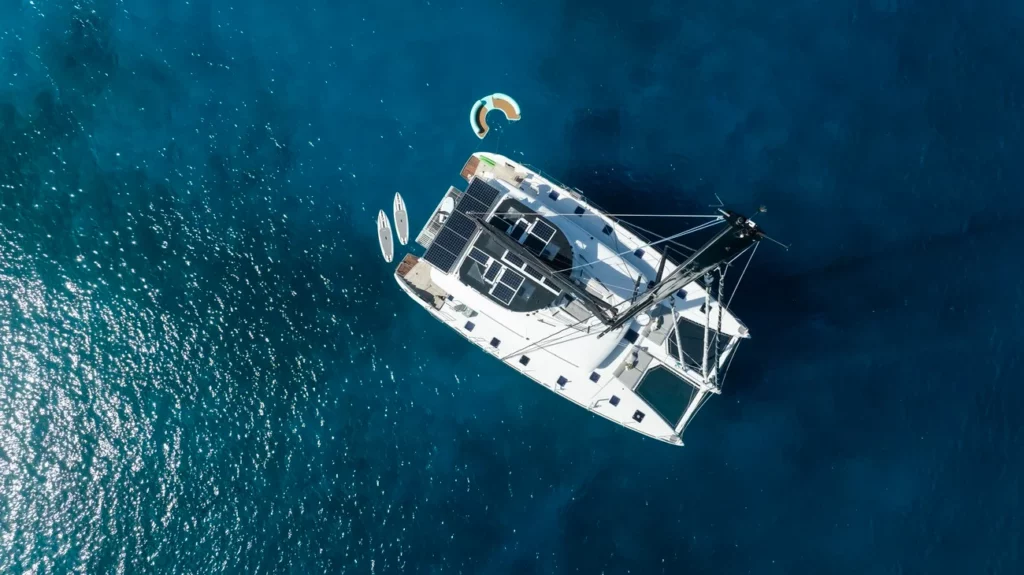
{"x": 401, "y": 220}
{"x": 387, "y": 245}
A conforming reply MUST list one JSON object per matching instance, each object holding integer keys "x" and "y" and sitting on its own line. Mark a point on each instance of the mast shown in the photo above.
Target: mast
{"x": 737, "y": 236}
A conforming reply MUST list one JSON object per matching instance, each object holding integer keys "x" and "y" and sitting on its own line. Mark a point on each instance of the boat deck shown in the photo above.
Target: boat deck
{"x": 548, "y": 344}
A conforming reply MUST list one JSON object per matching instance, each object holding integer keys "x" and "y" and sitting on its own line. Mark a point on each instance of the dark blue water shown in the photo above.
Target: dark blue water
{"x": 206, "y": 367}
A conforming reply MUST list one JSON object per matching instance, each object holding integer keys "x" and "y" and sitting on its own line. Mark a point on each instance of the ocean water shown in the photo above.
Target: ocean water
{"x": 205, "y": 365}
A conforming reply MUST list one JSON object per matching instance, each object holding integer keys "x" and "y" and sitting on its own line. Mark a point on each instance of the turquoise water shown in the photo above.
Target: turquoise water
{"x": 206, "y": 367}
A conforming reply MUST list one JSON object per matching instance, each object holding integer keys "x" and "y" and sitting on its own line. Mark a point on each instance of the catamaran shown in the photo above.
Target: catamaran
{"x": 581, "y": 301}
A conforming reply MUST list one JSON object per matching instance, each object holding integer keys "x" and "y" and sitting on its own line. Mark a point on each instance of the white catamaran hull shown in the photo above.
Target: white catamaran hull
{"x": 482, "y": 277}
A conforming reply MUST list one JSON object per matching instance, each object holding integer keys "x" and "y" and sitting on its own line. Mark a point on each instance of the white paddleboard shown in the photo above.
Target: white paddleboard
{"x": 387, "y": 245}
{"x": 401, "y": 220}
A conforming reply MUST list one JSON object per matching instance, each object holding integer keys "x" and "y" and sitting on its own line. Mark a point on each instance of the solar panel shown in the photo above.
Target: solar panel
{"x": 512, "y": 279}
{"x": 503, "y": 293}
{"x": 482, "y": 191}
{"x": 478, "y": 256}
{"x": 461, "y": 225}
{"x": 532, "y": 272}
{"x": 543, "y": 230}
{"x": 450, "y": 241}
{"x": 468, "y": 205}
{"x": 514, "y": 259}
{"x": 440, "y": 258}
{"x": 492, "y": 272}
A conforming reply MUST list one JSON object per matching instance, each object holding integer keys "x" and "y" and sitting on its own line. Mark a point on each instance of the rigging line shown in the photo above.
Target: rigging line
{"x": 703, "y": 402}
{"x": 735, "y": 289}
{"x": 728, "y": 364}
{"x": 567, "y": 339}
{"x": 655, "y": 234}
{"x": 622, "y": 222}
{"x": 563, "y": 330}
{"x": 739, "y": 255}
{"x": 663, "y": 240}
{"x": 621, "y": 265}
{"x": 596, "y": 215}
{"x": 721, "y": 312}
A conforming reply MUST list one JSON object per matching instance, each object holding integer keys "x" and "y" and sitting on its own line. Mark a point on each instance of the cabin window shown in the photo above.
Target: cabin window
{"x": 553, "y": 195}
{"x": 607, "y": 230}
{"x": 595, "y": 377}
{"x": 614, "y": 400}
{"x": 632, "y": 336}
{"x": 562, "y": 381}
{"x": 470, "y": 325}
{"x": 638, "y": 416}
{"x": 579, "y": 211}
{"x": 524, "y": 360}
{"x": 495, "y": 342}
{"x": 639, "y": 253}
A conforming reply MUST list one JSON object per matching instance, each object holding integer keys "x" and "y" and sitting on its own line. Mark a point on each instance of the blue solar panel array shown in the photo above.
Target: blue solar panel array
{"x": 478, "y": 199}
{"x": 482, "y": 191}
{"x": 543, "y": 230}
{"x": 478, "y": 256}
{"x": 514, "y": 259}
{"x": 471, "y": 207}
{"x": 457, "y": 230}
{"x": 512, "y": 279}
{"x": 503, "y": 293}
{"x": 460, "y": 224}
{"x": 492, "y": 272}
